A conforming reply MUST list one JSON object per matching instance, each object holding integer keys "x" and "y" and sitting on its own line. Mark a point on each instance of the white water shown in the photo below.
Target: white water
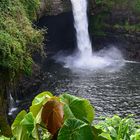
{"x": 84, "y": 58}
{"x": 81, "y": 25}
{"x": 12, "y": 105}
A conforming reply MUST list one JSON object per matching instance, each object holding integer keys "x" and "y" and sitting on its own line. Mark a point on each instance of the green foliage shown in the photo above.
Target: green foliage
{"x": 11, "y": 52}
{"x": 136, "y": 136}
{"x": 18, "y": 39}
{"x": 5, "y": 138}
{"x": 120, "y": 129}
{"x": 77, "y": 121}
{"x": 31, "y": 7}
{"x": 4, "y": 127}
{"x": 99, "y": 22}
{"x": 23, "y": 126}
{"x": 37, "y": 103}
{"x": 136, "y": 6}
{"x": 78, "y": 108}
{"x": 98, "y": 134}
{"x": 75, "y": 129}
{"x": 28, "y": 125}
{"x": 108, "y": 4}
{"x": 128, "y": 27}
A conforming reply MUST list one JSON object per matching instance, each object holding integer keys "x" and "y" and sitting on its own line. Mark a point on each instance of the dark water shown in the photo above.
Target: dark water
{"x": 109, "y": 92}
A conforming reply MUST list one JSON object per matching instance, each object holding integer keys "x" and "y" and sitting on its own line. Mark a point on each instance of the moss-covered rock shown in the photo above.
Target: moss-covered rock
{"x": 114, "y": 14}
{"x": 17, "y": 36}
{"x": 54, "y": 7}
{"x": 18, "y": 40}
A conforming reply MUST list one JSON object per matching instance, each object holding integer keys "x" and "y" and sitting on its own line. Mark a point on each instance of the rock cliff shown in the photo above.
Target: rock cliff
{"x": 54, "y": 7}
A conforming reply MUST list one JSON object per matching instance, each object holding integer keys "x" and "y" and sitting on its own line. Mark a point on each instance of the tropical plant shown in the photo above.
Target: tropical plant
{"x": 120, "y": 129}
{"x": 64, "y": 117}
{"x": 68, "y": 118}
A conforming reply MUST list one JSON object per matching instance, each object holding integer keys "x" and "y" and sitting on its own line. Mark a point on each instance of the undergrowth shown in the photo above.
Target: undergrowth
{"x": 68, "y": 117}
{"x": 18, "y": 38}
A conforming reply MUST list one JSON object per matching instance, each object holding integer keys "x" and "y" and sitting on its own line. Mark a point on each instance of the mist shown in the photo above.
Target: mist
{"x": 110, "y": 59}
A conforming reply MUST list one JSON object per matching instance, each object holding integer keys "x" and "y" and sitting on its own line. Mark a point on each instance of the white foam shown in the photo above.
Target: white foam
{"x": 12, "y": 105}
{"x": 11, "y": 111}
{"x": 108, "y": 58}
{"x": 83, "y": 58}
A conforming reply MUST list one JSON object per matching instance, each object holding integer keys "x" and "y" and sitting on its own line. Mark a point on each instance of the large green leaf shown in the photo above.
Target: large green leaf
{"x": 77, "y": 107}
{"x": 5, "y": 138}
{"x": 16, "y": 127}
{"x": 104, "y": 136}
{"x": 118, "y": 128}
{"x": 28, "y": 122}
{"x": 112, "y": 131}
{"x": 38, "y": 101}
{"x": 98, "y": 134}
{"x": 40, "y": 97}
{"x": 74, "y": 129}
{"x": 136, "y": 136}
{"x": 23, "y": 126}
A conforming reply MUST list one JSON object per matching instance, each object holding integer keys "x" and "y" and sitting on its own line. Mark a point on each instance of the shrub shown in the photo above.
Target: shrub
{"x": 120, "y": 129}
{"x": 18, "y": 39}
{"x": 69, "y": 117}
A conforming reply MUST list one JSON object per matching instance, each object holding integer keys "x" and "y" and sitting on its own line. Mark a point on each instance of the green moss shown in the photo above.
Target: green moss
{"x": 4, "y": 128}
{"x": 133, "y": 5}
{"x": 97, "y": 21}
{"x": 97, "y": 24}
{"x": 106, "y": 3}
{"x": 136, "y": 6}
{"x": 11, "y": 52}
{"x": 31, "y": 7}
{"x": 18, "y": 39}
{"x": 128, "y": 27}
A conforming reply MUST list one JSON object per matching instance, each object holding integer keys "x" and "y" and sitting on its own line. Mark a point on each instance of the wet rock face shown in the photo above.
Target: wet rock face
{"x": 116, "y": 20}
{"x": 120, "y": 20}
{"x": 123, "y": 15}
{"x": 124, "y": 24}
{"x": 54, "y": 7}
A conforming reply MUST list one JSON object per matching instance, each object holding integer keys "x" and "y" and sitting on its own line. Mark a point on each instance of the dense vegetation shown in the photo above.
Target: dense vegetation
{"x": 104, "y": 10}
{"x": 69, "y": 118}
{"x": 18, "y": 38}
{"x": 64, "y": 117}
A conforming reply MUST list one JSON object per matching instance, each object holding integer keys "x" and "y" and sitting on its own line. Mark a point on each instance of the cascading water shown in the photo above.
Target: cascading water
{"x": 12, "y": 105}
{"x": 81, "y": 25}
{"x": 84, "y": 58}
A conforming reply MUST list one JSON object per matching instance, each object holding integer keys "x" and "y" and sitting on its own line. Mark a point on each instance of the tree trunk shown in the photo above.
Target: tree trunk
{"x": 4, "y": 126}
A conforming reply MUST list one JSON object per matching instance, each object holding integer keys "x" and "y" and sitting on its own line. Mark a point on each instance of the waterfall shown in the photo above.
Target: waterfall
{"x": 110, "y": 59}
{"x": 12, "y": 105}
{"x": 81, "y": 25}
